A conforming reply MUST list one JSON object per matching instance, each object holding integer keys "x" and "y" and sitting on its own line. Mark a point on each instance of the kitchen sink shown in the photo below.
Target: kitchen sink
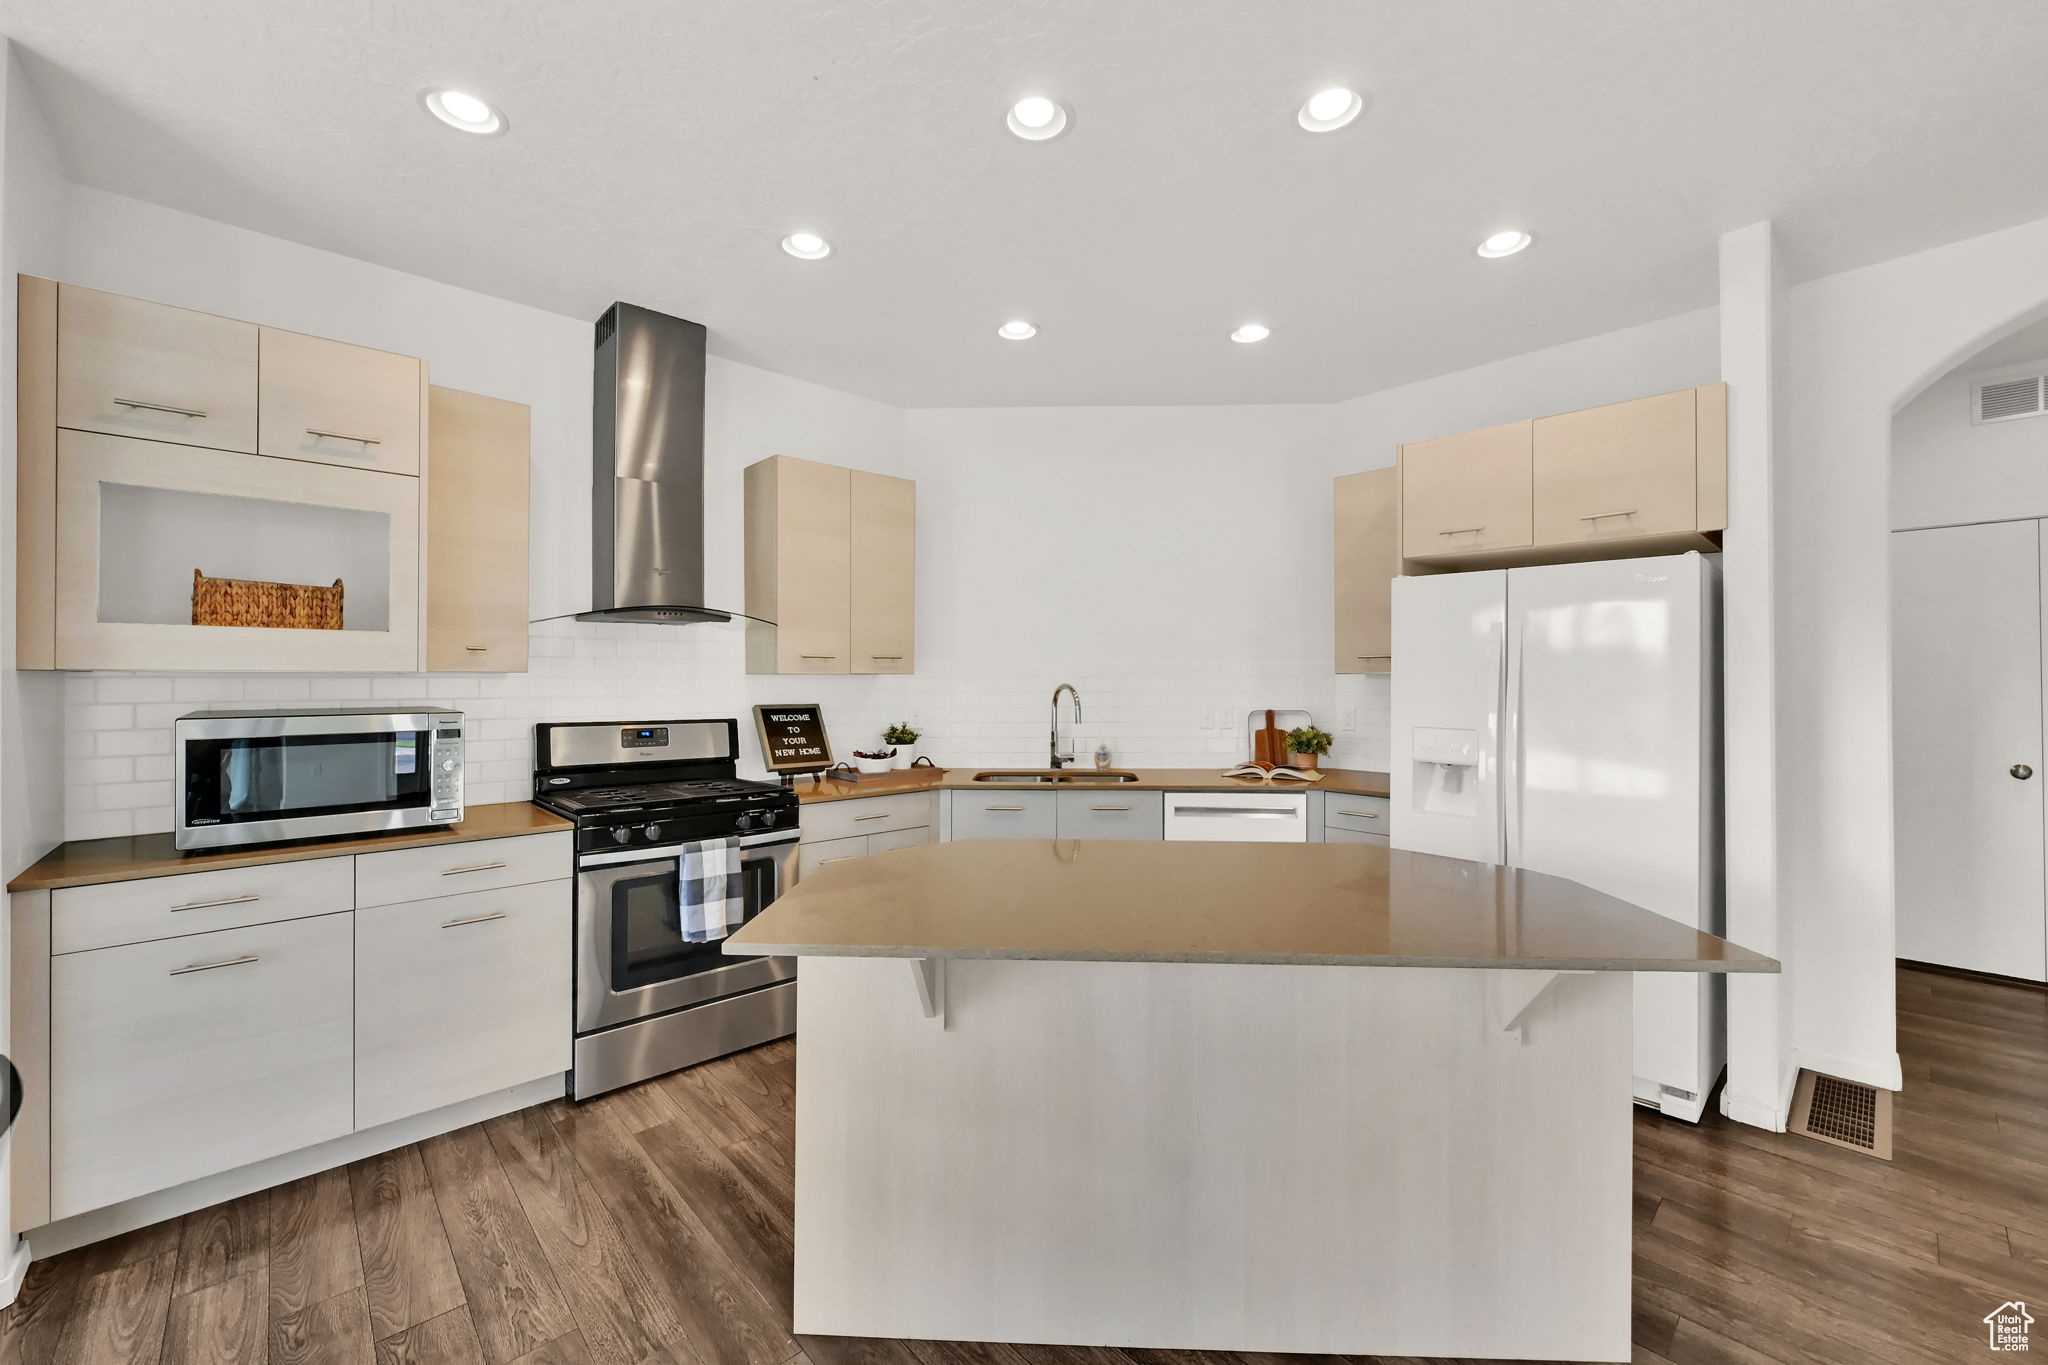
{"x": 1047, "y": 777}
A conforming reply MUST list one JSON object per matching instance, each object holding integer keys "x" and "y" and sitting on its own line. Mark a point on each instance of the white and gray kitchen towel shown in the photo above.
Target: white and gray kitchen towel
{"x": 712, "y": 894}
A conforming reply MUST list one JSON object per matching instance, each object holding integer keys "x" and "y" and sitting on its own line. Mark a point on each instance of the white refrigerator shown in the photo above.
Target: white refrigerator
{"x": 1566, "y": 719}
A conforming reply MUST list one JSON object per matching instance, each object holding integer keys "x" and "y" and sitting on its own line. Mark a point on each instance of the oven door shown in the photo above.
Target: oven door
{"x": 631, "y": 958}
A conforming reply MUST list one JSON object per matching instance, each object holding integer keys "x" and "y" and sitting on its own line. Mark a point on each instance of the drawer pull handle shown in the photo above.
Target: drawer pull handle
{"x": 208, "y": 905}
{"x": 1261, "y": 811}
{"x": 1109, "y": 808}
{"x": 997, "y": 808}
{"x": 1362, "y": 814}
{"x": 1372, "y": 656}
{"x": 1603, "y": 516}
{"x": 343, "y": 436}
{"x": 883, "y": 816}
{"x": 241, "y": 961}
{"x": 842, "y": 858}
{"x": 817, "y": 656}
{"x": 157, "y": 407}
{"x": 474, "y": 919}
{"x": 892, "y": 658}
{"x": 473, "y": 867}
{"x": 1463, "y": 531}
{"x": 476, "y": 649}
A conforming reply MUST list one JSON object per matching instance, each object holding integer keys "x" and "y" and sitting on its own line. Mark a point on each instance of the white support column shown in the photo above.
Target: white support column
{"x": 1753, "y": 358}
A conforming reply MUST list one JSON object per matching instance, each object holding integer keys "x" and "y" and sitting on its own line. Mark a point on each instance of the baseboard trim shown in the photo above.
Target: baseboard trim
{"x": 96, "y": 1225}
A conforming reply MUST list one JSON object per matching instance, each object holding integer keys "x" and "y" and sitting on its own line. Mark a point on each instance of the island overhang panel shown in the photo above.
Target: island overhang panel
{"x": 1244, "y": 1097}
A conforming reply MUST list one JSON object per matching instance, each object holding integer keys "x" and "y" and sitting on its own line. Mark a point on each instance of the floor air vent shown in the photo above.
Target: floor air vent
{"x": 1843, "y": 1113}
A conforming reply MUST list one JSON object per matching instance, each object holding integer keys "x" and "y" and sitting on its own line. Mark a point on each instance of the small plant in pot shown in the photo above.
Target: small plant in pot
{"x": 1306, "y": 744}
{"x": 874, "y": 760}
{"x": 904, "y": 738}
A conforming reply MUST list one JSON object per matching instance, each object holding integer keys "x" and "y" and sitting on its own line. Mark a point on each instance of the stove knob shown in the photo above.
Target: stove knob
{"x": 768, "y": 819}
{"x": 650, "y": 832}
{"x": 620, "y": 833}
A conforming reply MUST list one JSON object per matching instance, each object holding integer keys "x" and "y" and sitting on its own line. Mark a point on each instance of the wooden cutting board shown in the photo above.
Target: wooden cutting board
{"x": 1269, "y": 745}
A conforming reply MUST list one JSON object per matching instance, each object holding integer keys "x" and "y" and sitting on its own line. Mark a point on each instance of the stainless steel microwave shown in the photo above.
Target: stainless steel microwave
{"x": 258, "y": 777}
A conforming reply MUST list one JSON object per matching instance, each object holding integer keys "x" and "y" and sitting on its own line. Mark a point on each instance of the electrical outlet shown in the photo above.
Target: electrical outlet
{"x": 1350, "y": 725}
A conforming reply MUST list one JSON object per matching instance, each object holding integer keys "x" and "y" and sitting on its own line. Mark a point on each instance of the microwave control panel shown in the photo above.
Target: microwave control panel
{"x": 447, "y": 774}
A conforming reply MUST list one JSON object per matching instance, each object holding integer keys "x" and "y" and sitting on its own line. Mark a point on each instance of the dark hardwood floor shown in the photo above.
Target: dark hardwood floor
{"x": 652, "y": 1227}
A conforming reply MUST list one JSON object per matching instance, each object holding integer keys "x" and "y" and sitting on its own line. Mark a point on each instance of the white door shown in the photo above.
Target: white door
{"x": 1966, "y": 714}
{"x": 1448, "y": 634}
{"x": 1606, "y": 778}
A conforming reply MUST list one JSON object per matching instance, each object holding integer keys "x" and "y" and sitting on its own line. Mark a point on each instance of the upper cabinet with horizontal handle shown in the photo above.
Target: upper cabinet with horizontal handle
{"x": 1467, "y": 492}
{"x": 831, "y": 564}
{"x": 1626, "y": 469}
{"x": 128, "y": 367}
{"x": 335, "y": 403}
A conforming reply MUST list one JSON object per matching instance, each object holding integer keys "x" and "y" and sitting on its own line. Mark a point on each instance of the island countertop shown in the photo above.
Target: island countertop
{"x": 1286, "y": 904}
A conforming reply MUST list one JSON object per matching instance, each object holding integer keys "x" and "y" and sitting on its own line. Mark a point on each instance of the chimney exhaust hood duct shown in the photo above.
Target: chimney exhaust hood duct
{"x": 647, "y": 494}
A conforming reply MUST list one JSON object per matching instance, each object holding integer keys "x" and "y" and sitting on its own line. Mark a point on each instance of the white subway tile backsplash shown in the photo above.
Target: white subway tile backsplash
{"x": 1165, "y": 714}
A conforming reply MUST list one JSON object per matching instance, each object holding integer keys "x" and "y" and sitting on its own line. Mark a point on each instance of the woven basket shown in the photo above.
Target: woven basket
{"x": 241, "y": 602}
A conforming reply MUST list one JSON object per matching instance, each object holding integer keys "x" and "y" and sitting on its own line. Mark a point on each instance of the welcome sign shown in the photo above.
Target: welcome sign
{"x": 793, "y": 738}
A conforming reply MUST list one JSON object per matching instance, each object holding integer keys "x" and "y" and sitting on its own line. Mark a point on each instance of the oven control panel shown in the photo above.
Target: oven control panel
{"x": 644, "y": 737}
{"x": 447, "y": 775}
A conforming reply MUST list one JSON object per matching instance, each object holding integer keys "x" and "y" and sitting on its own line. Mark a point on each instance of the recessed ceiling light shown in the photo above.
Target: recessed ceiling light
{"x": 1328, "y": 110}
{"x": 1036, "y": 118}
{"x": 807, "y": 246}
{"x": 1505, "y": 243}
{"x": 1250, "y": 332}
{"x": 1017, "y": 330}
{"x": 464, "y": 111}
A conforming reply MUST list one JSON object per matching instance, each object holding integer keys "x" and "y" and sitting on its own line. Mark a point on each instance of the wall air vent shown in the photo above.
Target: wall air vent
{"x": 2004, "y": 399}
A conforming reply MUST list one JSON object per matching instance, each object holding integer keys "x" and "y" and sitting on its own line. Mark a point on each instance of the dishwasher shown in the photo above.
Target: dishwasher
{"x": 1247, "y": 817}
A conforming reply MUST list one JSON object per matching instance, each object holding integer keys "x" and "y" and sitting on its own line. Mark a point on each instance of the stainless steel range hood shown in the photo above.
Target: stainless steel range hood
{"x": 647, "y": 494}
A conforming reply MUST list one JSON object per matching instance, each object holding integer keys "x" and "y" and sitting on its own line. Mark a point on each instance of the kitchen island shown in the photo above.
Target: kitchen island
{"x": 1324, "y": 1098}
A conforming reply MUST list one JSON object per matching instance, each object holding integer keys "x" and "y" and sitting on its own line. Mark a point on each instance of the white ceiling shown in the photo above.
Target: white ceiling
{"x": 659, "y": 149}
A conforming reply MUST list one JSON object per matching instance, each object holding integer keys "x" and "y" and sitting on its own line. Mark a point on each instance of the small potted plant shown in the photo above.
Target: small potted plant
{"x": 903, "y": 738}
{"x": 875, "y": 760}
{"x": 1306, "y": 744}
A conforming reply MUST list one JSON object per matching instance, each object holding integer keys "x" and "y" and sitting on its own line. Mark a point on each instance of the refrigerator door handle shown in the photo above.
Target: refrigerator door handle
{"x": 1511, "y": 747}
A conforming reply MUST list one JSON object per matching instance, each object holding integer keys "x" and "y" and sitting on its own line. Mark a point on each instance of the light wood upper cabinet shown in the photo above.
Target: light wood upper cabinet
{"x": 883, "y": 582}
{"x": 1468, "y": 492}
{"x": 339, "y": 404}
{"x": 132, "y": 368}
{"x": 1368, "y": 547}
{"x": 476, "y": 533}
{"x": 1626, "y": 469}
{"x": 831, "y": 563}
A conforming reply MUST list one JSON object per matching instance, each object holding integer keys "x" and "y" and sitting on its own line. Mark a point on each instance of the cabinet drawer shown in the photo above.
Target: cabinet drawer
{"x": 810, "y": 856}
{"x": 1005, "y": 815}
{"x": 1111, "y": 814}
{"x": 459, "y": 996}
{"x": 413, "y": 874}
{"x": 901, "y": 838}
{"x": 335, "y": 403}
{"x": 1336, "y": 835}
{"x": 1467, "y": 492}
{"x": 132, "y": 368}
{"x": 86, "y": 917}
{"x": 1626, "y": 469}
{"x": 866, "y": 815}
{"x": 189, "y": 1056}
{"x": 1360, "y": 814}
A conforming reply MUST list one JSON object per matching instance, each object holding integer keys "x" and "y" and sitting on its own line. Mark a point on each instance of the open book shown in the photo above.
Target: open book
{"x": 1270, "y": 772}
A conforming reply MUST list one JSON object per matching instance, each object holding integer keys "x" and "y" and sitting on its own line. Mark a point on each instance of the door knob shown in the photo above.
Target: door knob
{"x": 2021, "y": 771}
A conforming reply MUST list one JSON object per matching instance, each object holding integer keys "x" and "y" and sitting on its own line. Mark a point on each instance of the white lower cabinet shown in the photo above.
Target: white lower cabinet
{"x": 1106, "y": 813}
{"x": 1335, "y": 835}
{"x": 1005, "y": 815}
{"x": 458, "y": 996}
{"x": 178, "y": 1058}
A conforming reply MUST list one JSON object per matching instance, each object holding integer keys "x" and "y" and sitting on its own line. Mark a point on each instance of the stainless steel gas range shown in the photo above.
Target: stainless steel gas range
{"x": 649, "y": 998}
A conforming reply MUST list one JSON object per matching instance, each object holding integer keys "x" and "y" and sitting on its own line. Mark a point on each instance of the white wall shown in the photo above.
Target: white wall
{"x": 1863, "y": 343}
{"x": 1947, "y": 471}
{"x": 32, "y": 228}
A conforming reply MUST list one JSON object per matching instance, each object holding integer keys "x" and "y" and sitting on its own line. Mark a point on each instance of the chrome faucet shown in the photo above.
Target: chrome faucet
{"x": 1060, "y": 760}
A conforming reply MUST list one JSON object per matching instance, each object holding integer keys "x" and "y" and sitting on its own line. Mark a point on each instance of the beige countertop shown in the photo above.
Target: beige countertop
{"x": 1349, "y": 781}
{"x": 1293, "y": 904}
{"x": 86, "y": 862}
